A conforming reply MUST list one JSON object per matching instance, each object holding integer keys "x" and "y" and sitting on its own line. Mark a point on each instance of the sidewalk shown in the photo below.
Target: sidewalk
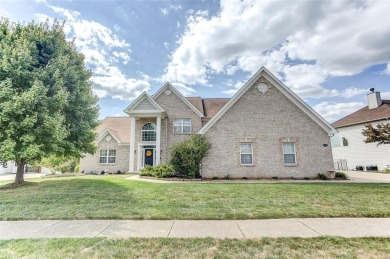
{"x": 309, "y": 227}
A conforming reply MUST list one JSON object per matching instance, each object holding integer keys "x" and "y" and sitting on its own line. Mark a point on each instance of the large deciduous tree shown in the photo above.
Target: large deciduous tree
{"x": 46, "y": 102}
{"x": 379, "y": 134}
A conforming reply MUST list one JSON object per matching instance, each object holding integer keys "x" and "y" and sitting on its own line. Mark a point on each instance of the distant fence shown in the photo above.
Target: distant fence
{"x": 340, "y": 164}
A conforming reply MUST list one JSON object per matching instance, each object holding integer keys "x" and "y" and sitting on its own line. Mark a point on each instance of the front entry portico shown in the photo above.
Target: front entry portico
{"x": 145, "y": 137}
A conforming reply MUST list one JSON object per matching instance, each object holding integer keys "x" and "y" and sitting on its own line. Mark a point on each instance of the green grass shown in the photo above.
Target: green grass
{"x": 321, "y": 247}
{"x": 113, "y": 197}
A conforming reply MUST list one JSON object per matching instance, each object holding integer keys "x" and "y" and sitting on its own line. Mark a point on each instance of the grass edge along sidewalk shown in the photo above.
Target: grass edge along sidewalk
{"x": 319, "y": 247}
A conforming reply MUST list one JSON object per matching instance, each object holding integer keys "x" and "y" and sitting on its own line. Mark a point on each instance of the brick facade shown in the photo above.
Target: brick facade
{"x": 266, "y": 120}
{"x": 91, "y": 162}
{"x": 175, "y": 109}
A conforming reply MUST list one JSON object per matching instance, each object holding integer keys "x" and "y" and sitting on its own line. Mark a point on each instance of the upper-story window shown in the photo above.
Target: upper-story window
{"x": 149, "y": 132}
{"x": 182, "y": 126}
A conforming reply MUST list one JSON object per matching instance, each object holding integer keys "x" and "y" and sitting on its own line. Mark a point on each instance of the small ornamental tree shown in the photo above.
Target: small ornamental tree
{"x": 46, "y": 102}
{"x": 379, "y": 134}
{"x": 187, "y": 156}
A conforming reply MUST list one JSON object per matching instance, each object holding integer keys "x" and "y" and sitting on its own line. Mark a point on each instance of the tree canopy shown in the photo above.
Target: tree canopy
{"x": 379, "y": 134}
{"x": 46, "y": 101}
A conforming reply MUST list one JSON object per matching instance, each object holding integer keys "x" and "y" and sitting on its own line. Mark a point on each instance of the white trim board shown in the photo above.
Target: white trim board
{"x": 103, "y": 134}
{"x": 282, "y": 88}
{"x": 130, "y": 109}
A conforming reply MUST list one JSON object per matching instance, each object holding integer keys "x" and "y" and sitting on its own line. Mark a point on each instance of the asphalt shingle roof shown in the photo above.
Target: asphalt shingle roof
{"x": 365, "y": 115}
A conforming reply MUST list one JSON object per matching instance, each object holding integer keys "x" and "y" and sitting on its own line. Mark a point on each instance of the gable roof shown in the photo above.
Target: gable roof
{"x": 146, "y": 102}
{"x": 213, "y": 105}
{"x": 365, "y": 115}
{"x": 197, "y": 102}
{"x": 283, "y": 89}
{"x": 173, "y": 89}
{"x": 118, "y": 127}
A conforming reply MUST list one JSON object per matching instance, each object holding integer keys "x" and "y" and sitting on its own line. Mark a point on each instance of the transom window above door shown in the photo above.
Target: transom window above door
{"x": 182, "y": 126}
{"x": 149, "y": 132}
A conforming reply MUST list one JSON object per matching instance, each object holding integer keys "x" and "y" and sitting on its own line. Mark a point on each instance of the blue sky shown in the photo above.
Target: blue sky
{"x": 328, "y": 52}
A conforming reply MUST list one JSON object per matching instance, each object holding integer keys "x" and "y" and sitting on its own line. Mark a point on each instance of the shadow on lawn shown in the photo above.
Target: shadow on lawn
{"x": 14, "y": 185}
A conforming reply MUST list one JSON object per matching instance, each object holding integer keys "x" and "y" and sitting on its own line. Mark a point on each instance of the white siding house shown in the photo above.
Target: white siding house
{"x": 348, "y": 144}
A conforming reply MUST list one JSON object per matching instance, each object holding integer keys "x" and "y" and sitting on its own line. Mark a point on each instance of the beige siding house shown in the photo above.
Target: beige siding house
{"x": 349, "y": 149}
{"x": 263, "y": 131}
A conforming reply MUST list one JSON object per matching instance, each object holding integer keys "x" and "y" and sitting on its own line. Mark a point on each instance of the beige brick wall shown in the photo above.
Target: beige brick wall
{"x": 266, "y": 120}
{"x": 176, "y": 109}
{"x": 91, "y": 162}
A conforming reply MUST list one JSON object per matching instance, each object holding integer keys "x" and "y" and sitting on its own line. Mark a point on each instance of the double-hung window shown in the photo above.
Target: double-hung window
{"x": 246, "y": 154}
{"x": 289, "y": 154}
{"x": 107, "y": 157}
{"x": 182, "y": 126}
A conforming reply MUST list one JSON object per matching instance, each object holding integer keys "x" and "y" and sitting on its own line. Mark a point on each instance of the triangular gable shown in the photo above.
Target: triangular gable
{"x": 173, "y": 89}
{"x": 283, "y": 89}
{"x": 108, "y": 132}
{"x": 143, "y": 104}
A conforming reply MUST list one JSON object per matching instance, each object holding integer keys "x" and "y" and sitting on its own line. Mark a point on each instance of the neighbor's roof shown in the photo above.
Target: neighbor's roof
{"x": 118, "y": 126}
{"x": 365, "y": 115}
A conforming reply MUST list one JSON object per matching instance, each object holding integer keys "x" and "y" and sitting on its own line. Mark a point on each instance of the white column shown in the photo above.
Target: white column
{"x": 158, "y": 140}
{"x": 132, "y": 143}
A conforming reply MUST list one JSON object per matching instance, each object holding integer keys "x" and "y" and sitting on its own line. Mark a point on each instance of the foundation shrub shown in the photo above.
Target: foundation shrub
{"x": 187, "y": 156}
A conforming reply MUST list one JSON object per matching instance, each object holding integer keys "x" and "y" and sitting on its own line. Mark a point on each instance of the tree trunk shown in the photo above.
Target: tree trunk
{"x": 20, "y": 172}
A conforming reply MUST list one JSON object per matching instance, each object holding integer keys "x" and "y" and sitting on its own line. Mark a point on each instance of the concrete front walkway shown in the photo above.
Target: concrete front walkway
{"x": 310, "y": 227}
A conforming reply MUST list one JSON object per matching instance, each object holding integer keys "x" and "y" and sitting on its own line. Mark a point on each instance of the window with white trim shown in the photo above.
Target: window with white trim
{"x": 107, "y": 156}
{"x": 149, "y": 132}
{"x": 246, "y": 154}
{"x": 289, "y": 155}
{"x": 182, "y": 126}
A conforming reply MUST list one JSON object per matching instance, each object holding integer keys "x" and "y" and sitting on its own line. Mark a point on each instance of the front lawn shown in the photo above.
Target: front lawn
{"x": 321, "y": 247}
{"x": 113, "y": 197}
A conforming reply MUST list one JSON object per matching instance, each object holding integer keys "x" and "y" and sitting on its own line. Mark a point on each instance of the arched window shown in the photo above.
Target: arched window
{"x": 149, "y": 132}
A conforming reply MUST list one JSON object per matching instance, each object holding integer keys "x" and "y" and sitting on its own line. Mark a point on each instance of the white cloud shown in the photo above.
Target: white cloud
{"x": 353, "y": 91}
{"x": 175, "y": 7}
{"x": 235, "y": 88}
{"x": 387, "y": 69}
{"x": 385, "y": 95}
{"x": 330, "y": 38}
{"x": 164, "y": 11}
{"x": 183, "y": 89}
{"x": 334, "y": 111}
{"x": 102, "y": 49}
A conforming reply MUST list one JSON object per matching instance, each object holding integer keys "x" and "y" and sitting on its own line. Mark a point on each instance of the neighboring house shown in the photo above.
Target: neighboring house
{"x": 264, "y": 130}
{"x": 10, "y": 168}
{"x": 348, "y": 144}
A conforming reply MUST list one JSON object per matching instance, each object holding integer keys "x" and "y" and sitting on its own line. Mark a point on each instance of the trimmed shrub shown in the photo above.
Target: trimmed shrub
{"x": 186, "y": 156}
{"x": 341, "y": 175}
{"x": 147, "y": 171}
{"x": 161, "y": 171}
{"x": 322, "y": 176}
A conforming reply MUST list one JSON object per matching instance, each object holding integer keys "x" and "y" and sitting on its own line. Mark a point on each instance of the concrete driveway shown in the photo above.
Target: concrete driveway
{"x": 361, "y": 176}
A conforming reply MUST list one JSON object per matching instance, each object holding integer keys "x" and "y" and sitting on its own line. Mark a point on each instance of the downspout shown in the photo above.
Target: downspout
{"x": 166, "y": 138}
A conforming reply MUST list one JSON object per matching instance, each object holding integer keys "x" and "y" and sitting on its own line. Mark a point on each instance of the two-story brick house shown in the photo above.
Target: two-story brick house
{"x": 264, "y": 130}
